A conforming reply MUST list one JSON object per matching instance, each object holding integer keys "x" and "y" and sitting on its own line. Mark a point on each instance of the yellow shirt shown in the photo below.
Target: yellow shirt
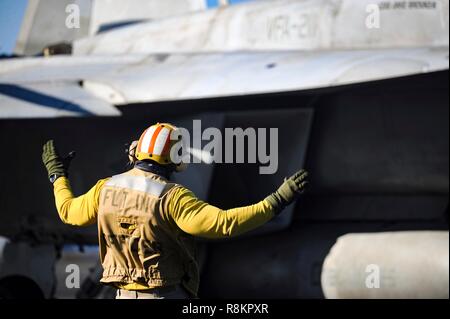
{"x": 192, "y": 215}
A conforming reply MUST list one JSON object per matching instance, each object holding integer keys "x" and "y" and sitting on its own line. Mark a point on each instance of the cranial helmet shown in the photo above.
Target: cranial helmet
{"x": 155, "y": 144}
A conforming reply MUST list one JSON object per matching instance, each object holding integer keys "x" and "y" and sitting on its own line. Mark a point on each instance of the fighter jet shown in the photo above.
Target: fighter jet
{"x": 358, "y": 90}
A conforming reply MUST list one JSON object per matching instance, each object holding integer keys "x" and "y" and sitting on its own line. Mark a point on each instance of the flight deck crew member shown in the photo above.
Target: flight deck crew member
{"x": 147, "y": 224}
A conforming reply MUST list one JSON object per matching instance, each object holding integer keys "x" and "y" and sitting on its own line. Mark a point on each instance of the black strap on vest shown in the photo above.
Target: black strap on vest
{"x": 151, "y": 167}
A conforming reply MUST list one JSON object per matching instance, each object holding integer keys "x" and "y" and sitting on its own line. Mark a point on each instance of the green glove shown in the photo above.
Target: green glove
{"x": 288, "y": 191}
{"x": 56, "y": 165}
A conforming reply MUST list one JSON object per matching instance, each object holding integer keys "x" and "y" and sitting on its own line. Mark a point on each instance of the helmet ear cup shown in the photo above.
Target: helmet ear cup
{"x": 132, "y": 152}
{"x": 183, "y": 163}
{"x": 181, "y": 167}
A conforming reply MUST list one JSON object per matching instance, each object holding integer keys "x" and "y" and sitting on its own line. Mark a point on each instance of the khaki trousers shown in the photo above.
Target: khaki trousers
{"x": 177, "y": 292}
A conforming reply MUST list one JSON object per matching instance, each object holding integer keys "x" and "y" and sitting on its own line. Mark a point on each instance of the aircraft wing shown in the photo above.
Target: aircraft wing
{"x": 195, "y": 76}
{"x": 92, "y": 85}
{"x": 260, "y": 47}
{"x": 50, "y": 100}
{"x": 50, "y": 87}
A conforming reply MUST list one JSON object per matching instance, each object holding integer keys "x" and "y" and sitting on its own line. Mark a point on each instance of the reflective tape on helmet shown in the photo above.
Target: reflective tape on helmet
{"x": 161, "y": 141}
{"x": 155, "y": 143}
{"x": 146, "y": 139}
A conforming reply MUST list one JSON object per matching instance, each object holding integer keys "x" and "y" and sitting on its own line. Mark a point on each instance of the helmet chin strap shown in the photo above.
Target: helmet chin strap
{"x": 147, "y": 166}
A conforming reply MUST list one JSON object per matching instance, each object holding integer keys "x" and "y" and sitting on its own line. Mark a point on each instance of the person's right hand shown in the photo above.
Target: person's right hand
{"x": 55, "y": 164}
{"x": 288, "y": 191}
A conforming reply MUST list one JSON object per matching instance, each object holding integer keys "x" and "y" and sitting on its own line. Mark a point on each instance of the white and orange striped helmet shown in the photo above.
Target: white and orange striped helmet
{"x": 155, "y": 144}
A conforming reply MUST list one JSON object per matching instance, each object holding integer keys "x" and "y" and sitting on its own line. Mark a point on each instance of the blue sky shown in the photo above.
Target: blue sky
{"x": 213, "y": 3}
{"x": 11, "y": 14}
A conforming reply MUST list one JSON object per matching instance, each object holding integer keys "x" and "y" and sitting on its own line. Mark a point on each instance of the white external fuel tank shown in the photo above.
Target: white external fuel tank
{"x": 407, "y": 264}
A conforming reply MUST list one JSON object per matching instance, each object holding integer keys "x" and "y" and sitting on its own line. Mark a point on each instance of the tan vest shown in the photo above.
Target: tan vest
{"x": 139, "y": 242}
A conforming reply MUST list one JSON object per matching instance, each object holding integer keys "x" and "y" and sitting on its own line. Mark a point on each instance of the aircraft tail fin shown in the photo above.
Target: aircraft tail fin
{"x": 54, "y": 21}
